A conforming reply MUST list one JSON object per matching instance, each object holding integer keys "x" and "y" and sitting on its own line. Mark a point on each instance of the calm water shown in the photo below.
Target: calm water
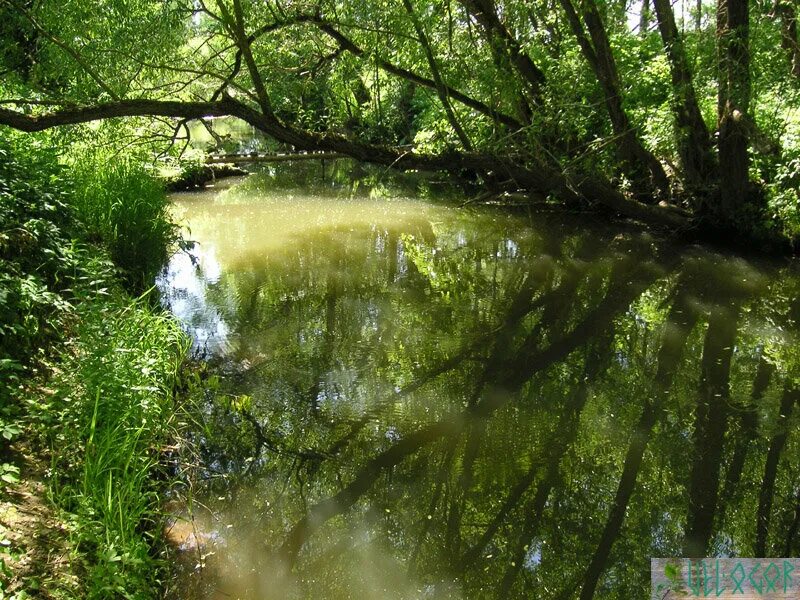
{"x": 420, "y": 401}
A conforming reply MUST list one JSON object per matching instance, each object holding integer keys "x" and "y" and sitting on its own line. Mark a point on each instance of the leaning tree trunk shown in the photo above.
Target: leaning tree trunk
{"x": 504, "y": 41}
{"x": 694, "y": 142}
{"x": 733, "y": 53}
{"x": 638, "y": 163}
{"x": 791, "y": 396}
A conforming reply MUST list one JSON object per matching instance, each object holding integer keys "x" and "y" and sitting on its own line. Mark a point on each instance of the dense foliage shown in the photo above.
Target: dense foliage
{"x": 86, "y": 372}
{"x": 37, "y": 257}
{"x": 602, "y": 102}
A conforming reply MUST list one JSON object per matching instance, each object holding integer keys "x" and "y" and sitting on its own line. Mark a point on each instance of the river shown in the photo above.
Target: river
{"x": 411, "y": 399}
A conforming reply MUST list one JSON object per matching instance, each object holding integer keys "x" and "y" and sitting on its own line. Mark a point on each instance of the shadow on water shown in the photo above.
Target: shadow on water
{"x": 421, "y": 401}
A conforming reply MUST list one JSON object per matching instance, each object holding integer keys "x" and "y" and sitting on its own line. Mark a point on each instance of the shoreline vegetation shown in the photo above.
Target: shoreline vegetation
{"x": 90, "y": 366}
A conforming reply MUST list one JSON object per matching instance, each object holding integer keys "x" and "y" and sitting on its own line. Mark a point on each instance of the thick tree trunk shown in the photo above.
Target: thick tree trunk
{"x": 733, "y": 48}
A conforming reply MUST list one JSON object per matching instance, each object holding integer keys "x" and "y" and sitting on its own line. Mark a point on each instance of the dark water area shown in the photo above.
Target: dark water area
{"x": 416, "y": 400}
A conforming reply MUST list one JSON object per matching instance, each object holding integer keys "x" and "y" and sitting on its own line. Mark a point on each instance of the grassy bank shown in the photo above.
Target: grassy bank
{"x": 87, "y": 374}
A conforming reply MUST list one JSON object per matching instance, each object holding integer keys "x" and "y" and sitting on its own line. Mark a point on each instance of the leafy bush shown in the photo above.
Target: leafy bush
{"x": 37, "y": 257}
{"x": 784, "y": 201}
{"x": 38, "y": 261}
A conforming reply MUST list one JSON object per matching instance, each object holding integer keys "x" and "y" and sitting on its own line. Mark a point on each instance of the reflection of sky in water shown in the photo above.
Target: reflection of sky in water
{"x": 533, "y": 557}
{"x": 512, "y": 248}
{"x": 184, "y": 286}
{"x": 244, "y": 232}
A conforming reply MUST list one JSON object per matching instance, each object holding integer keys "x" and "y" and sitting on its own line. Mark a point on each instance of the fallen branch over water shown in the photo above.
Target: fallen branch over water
{"x": 269, "y": 158}
{"x": 541, "y": 177}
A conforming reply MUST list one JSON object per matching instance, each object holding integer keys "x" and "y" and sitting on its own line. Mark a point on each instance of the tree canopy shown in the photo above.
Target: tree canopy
{"x": 672, "y": 119}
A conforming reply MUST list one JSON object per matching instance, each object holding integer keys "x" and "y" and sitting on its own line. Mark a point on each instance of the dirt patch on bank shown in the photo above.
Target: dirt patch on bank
{"x": 35, "y": 549}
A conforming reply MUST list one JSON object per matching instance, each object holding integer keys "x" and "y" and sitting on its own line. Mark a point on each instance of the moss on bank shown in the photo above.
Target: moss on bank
{"x": 87, "y": 375}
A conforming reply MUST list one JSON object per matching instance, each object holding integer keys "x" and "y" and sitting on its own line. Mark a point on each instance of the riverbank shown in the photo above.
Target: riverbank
{"x": 89, "y": 369}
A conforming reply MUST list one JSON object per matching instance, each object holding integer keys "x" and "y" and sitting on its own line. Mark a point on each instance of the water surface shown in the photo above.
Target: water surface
{"x": 422, "y": 401}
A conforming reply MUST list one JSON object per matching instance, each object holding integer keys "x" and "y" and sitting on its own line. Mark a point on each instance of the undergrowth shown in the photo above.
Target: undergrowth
{"x": 112, "y": 407}
{"x": 87, "y": 373}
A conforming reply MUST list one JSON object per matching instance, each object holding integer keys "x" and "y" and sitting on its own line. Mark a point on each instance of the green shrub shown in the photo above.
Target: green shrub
{"x": 37, "y": 256}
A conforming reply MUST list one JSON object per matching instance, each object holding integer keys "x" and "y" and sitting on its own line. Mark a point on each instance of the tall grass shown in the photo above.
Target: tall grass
{"x": 115, "y": 406}
{"x": 84, "y": 368}
{"x": 126, "y": 208}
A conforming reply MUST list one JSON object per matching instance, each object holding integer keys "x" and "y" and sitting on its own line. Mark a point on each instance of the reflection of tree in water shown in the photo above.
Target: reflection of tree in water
{"x": 507, "y": 411}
